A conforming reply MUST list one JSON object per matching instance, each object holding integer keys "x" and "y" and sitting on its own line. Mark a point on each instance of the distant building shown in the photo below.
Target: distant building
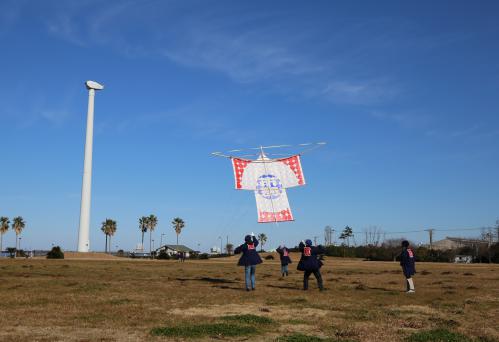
{"x": 455, "y": 243}
{"x": 215, "y": 250}
{"x": 175, "y": 249}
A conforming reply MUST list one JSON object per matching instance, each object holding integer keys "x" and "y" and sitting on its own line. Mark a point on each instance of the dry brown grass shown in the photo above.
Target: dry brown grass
{"x": 122, "y": 299}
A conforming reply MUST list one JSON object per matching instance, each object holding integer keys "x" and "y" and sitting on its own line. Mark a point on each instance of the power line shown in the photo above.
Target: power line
{"x": 434, "y": 229}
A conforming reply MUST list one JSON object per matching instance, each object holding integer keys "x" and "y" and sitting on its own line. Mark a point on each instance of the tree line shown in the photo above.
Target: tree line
{"x": 146, "y": 224}
{"x": 18, "y": 225}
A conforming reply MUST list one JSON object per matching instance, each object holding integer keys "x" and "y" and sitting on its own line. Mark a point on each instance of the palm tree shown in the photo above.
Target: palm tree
{"x": 18, "y": 226}
{"x": 112, "y": 230}
{"x": 152, "y": 222}
{"x": 143, "y": 225}
{"x": 262, "y": 238}
{"x": 108, "y": 227}
{"x": 4, "y": 227}
{"x": 178, "y": 224}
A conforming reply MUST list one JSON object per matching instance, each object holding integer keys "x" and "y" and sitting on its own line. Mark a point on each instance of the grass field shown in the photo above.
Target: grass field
{"x": 135, "y": 300}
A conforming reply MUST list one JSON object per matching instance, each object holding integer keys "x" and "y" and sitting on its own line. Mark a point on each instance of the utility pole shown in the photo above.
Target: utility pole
{"x": 430, "y": 231}
{"x": 315, "y": 240}
{"x": 489, "y": 236}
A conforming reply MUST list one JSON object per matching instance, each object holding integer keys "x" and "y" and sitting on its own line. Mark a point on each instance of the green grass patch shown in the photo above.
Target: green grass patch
{"x": 248, "y": 319}
{"x": 301, "y": 338}
{"x": 438, "y": 335}
{"x": 207, "y": 329}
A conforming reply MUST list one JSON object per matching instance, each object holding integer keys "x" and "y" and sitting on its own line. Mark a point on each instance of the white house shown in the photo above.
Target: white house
{"x": 175, "y": 249}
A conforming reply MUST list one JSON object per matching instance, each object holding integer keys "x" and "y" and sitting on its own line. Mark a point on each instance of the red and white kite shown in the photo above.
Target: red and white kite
{"x": 269, "y": 179}
{"x": 287, "y": 170}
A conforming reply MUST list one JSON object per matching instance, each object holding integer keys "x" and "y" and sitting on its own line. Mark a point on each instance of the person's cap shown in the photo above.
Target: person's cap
{"x": 308, "y": 242}
{"x": 405, "y": 243}
{"x": 247, "y": 238}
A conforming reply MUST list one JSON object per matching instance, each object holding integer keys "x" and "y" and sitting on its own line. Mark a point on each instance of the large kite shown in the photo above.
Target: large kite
{"x": 268, "y": 179}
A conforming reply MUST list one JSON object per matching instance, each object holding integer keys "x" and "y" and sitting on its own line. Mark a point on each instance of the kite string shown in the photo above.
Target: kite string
{"x": 268, "y": 186}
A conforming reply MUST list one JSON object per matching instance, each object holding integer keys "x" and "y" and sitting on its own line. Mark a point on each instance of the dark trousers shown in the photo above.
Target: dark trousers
{"x": 317, "y": 274}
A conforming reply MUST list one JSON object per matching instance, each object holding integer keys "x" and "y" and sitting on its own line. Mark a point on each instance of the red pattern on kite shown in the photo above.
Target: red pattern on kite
{"x": 294, "y": 164}
{"x": 239, "y": 165}
{"x": 281, "y": 216}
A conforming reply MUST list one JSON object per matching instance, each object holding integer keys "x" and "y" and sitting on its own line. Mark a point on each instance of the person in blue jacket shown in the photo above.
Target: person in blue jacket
{"x": 310, "y": 263}
{"x": 285, "y": 259}
{"x": 249, "y": 259}
{"x": 407, "y": 261}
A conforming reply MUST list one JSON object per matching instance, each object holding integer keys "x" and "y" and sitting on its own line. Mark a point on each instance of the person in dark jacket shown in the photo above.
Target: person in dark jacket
{"x": 285, "y": 259}
{"x": 310, "y": 263}
{"x": 249, "y": 259}
{"x": 407, "y": 261}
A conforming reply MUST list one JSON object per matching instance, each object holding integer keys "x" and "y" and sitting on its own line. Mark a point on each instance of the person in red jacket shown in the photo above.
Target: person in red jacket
{"x": 407, "y": 261}
{"x": 249, "y": 259}
{"x": 310, "y": 263}
{"x": 285, "y": 259}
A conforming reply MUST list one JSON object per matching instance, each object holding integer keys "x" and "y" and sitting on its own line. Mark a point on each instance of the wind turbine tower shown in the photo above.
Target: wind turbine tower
{"x": 84, "y": 231}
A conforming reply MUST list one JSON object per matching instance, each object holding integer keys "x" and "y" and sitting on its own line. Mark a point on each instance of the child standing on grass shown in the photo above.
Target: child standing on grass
{"x": 249, "y": 259}
{"x": 310, "y": 263}
{"x": 285, "y": 259}
{"x": 407, "y": 261}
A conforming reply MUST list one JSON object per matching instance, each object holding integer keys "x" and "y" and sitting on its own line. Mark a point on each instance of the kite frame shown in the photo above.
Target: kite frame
{"x": 228, "y": 154}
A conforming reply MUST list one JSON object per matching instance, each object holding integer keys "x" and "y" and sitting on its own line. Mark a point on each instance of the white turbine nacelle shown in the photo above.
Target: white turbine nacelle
{"x": 94, "y": 85}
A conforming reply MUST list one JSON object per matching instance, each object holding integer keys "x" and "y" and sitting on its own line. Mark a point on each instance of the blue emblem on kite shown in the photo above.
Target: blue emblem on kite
{"x": 269, "y": 186}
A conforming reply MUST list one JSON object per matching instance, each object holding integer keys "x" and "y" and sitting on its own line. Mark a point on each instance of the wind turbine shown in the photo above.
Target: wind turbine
{"x": 84, "y": 231}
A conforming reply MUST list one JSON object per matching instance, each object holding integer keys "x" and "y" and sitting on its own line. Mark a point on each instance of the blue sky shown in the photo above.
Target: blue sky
{"x": 405, "y": 94}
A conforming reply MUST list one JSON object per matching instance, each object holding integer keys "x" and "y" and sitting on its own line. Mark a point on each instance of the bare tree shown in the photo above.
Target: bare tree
{"x": 373, "y": 236}
{"x": 328, "y": 236}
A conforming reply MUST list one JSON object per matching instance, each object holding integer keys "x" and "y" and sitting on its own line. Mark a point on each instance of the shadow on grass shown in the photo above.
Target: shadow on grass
{"x": 225, "y": 287}
{"x": 208, "y": 280}
{"x": 285, "y": 287}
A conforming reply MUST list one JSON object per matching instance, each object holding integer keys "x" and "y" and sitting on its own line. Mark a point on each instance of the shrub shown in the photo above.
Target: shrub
{"x": 55, "y": 253}
{"x": 163, "y": 255}
{"x": 11, "y": 251}
{"x": 120, "y": 253}
{"x": 269, "y": 257}
{"x": 204, "y": 256}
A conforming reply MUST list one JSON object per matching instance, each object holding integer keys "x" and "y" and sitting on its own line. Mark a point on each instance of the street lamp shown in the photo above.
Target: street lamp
{"x": 161, "y": 240}
{"x": 84, "y": 230}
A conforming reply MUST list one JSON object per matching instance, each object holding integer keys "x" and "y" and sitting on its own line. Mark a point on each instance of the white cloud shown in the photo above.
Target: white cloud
{"x": 255, "y": 49}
